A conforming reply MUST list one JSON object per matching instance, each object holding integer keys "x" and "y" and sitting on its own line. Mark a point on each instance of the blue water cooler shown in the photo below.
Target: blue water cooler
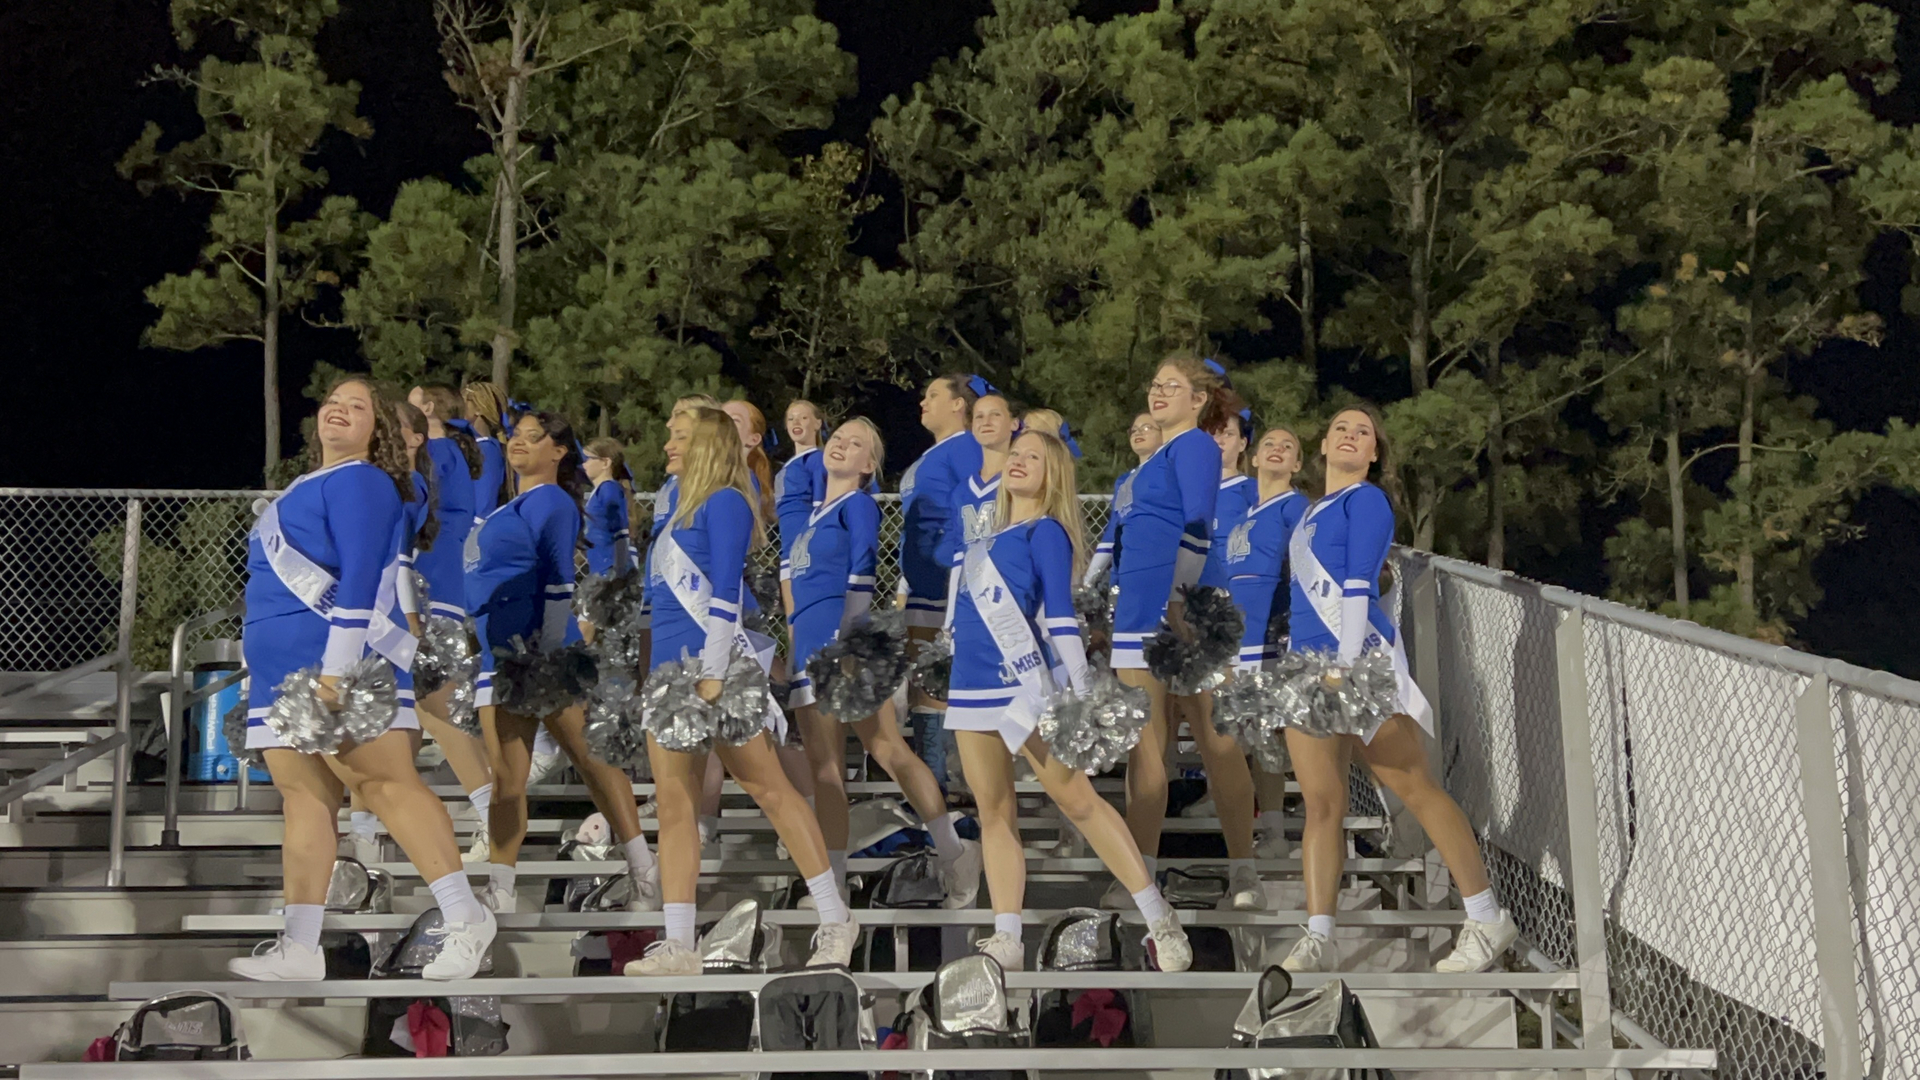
{"x": 211, "y": 761}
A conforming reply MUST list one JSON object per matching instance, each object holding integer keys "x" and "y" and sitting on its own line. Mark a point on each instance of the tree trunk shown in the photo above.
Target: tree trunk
{"x": 270, "y": 330}
{"x": 1677, "y": 508}
{"x": 1309, "y": 337}
{"x": 1496, "y": 469}
{"x": 507, "y": 204}
{"x": 1418, "y": 331}
{"x": 606, "y": 421}
{"x": 1750, "y": 392}
{"x": 1423, "y": 508}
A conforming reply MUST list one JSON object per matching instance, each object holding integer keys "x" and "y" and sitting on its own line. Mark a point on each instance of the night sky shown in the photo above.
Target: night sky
{"x": 80, "y": 244}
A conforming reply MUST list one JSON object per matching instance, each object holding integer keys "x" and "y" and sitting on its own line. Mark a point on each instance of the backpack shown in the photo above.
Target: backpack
{"x": 965, "y": 1007}
{"x": 1201, "y": 891}
{"x": 571, "y": 892}
{"x": 814, "y": 1009}
{"x": 1330, "y": 1016}
{"x": 474, "y": 1026}
{"x": 353, "y": 889}
{"x": 191, "y": 1025}
{"x": 1084, "y": 939}
{"x": 731, "y": 945}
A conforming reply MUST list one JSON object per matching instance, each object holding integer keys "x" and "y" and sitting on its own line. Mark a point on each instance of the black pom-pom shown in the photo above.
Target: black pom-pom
{"x": 1197, "y": 661}
{"x": 538, "y": 684}
{"x": 933, "y": 668}
{"x": 610, "y": 600}
{"x": 764, "y": 584}
{"x": 860, "y": 670}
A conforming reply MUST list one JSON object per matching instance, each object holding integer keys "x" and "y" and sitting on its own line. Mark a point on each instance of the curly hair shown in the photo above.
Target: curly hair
{"x": 387, "y": 448}
{"x": 1223, "y": 405}
{"x": 415, "y": 422}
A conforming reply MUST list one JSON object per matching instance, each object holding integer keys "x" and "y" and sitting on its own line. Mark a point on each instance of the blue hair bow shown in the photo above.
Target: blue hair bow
{"x": 981, "y": 387}
{"x": 1246, "y": 425}
{"x": 1214, "y": 366}
{"x": 1066, "y": 436}
{"x": 771, "y": 440}
{"x": 507, "y": 417}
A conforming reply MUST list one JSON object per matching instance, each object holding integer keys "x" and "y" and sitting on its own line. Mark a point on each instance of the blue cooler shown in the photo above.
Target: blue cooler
{"x": 211, "y": 760}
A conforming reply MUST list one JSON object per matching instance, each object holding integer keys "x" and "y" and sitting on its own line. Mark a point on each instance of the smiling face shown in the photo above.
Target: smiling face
{"x": 743, "y": 422}
{"x": 1278, "y": 455}
{"x": 992, "y": 422}
{"x": 849, "y": 452}
{"x": 803, "y": 424}
{"x": 679, "y": 436}
{"x": 345, "y": 422}
{"x": 1172, "y": 401}
{"x": 1144, "y": 436}
{"x": 1351, "y": 444}
{"x": 531, "y": 451}
{"x": 1026, "y": 473}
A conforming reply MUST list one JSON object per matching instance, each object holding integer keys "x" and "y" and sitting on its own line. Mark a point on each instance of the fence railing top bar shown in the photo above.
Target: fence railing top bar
{"x": 136, "y": 493}
{"x": 1883, "y": 683}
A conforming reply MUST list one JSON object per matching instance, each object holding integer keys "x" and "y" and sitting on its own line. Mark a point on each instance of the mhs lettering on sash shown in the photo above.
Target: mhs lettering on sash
{"x": 1011, "y": 670}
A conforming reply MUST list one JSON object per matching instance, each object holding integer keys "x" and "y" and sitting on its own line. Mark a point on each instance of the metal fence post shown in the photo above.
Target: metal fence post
{"x": 1583, "y": 834}
{"x": 123, "y": 715}
{"x": 1831, "y": 880}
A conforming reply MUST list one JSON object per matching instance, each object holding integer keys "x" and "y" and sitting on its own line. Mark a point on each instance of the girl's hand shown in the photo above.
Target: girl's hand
{"x": 329, "y": 691}
{"x": 709, "y": 690}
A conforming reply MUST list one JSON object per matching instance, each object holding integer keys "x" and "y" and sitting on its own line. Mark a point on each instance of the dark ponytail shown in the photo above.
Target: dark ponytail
{"x": 416, "y": 421}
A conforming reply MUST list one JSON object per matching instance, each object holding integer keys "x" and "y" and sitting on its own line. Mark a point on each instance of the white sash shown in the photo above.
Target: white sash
{"x": 1020, "y": 657}
{"x": 314, "y": 585}
{"x": 694, "y": 592}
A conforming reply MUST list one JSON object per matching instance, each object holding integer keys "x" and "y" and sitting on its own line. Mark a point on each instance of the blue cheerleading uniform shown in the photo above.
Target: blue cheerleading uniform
{"x": 798, "y": 487}
{"x": 336, "y": 535}
{"x": 974, "y": 503}
{"x": 706, "y": 554}
{"x": 521, "y": 584}
{"x": 1166, "y": 528}
{"x": 1252, "y": 549}
{"x": 833, "y": 561}
{"x": 926, "y": 507}
{"x": 1102, "y": 560}
{"x": 414, "y": 518}
{"x": 1335, "y": 554}
{"x": 493, "y": 473}
{"x": 1236, "y": 495}
{"x": 444, "y": 564}
{"x": 607, "y": 532}
{"x": 1015, "y": 636}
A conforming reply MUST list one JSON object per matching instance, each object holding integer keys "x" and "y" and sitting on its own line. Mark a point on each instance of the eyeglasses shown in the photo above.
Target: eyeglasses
{"x": 529, "y": 436}
{"x": 1143, "y": 429}
{"x": 1168, "y": 389}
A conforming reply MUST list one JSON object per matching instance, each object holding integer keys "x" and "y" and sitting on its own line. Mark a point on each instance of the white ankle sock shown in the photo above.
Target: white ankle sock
{"x": 363, "y": 824}
{"x": 826, "y": 898}
{"x": 543, "y": 742}
{"x": 837, "y": 862}
{"x": 1152, "y": 905}
{"x": 1008, "y": 923}
{"x": 454, "y": 894}
{"x": 303, "y": 924}
{"x": 1482, "y": 906}
{"x": 946, "y": 841}
{"x": 481, "y": 798}
{"x": 1320, "y": 926}
{"x": 681, "y": 922}
{"x": 500, "y": 876}
{"x": 639, "y": 855}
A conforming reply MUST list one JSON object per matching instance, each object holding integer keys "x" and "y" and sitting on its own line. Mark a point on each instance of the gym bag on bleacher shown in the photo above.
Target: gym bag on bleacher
{"x": 1084, "y": 939}
{"x": 731, "y": 945}
{"x": 1329, "y": 1018}
{"x": 965, "y": 1007}
{"x": 190, "y": 1025}
{"x": 814, "y": 1009}
{"x": 465, "y": 1026}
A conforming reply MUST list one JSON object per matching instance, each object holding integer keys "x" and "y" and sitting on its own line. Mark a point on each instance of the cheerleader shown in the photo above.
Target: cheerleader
{"x": 322, "y": 564}
{"x": 751, "y": 423}
{"x": 1166, "y": 531}
{"x": 696, "y": 579}
{"x": 520, "y": 589}
{"x": 1254, "y": 553}
{"x": 608, "y": 539}
{"x": 833, "y": 561}
{"x": 798, "y": 487}
{"x": 974, "y": 499}
{"x": 1014, "y": 634}
{"x": 927, "y": 491}
{"x": 1143, "y": 437}
{"x": 1336, "y": 554}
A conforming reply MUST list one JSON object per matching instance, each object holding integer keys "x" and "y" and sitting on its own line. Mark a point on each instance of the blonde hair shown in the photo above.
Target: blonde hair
{"x": 695, "y": 401}
{"x": 713, "y": 462}
{"x": 1047, "y": 420}
{"x": 757, "y": 462}
{"x": 878, "y": 450}
{"x": 1059, "y": 495}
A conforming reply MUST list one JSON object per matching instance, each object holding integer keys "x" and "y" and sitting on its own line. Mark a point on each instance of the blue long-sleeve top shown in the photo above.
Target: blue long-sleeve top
{"x": 607, "y": 532}
{"x": 1170, "y": 515}
{"x": 834, "y": 559}
{"x": 1035, "y": 559}
{"x": 798, "y": 487}
{"x": 493, "y": 473}
{"x": 1236, "y": 494}
{"x": 1253, "y": 550}
{"x": 1102, "y": 559}
{"x": 523, "y": 583}
{"x": 413, "y": 517}
{"x": 348, "y": 520}
{"x": 1348, "y": 533}
{"x": 974, "y": 502}
{"x": 926, "y": 508}
{"x": 715, "y": 541}
{"x": 442, "y": 565}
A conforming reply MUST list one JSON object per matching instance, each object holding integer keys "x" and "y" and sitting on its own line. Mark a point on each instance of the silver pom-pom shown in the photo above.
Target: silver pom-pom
{"x": 1253, "y": 708}
{"x": 1095, "y": 730}
{"x": 234, "y": 727}
{"x": 446, "y": 656}
{"x": 861, "y": 669}
{"x": 679, "y": 719}
{"x": 933, "y": 668}
{"x": 367, "y": 701}
{"x": 609, "y": 600}
{"x": 764, "y": 584}
{"x": 1196, "y": 662}
{"x": 1094, "y": 604}
{"x": 614, "y": 732}
{"x": 1362, "y": 698}
{"x": 538, "y": 684}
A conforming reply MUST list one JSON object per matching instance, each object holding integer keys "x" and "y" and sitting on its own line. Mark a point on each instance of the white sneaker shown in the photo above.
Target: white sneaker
{"x": 1167, "y": 945}
{"x": 544, "y": 766}
{"x": 280, "y": 960}
{"x": 1203, "y": 808}
{"x": 665, "y": 957}
{"x": 1117, "y": 898}
{"x": 1245, "y": 891}
{"x": 365, "y": 849}
{"x": 1007, "y": 950}
{"x": 463, "y": 948}
{"x": 498, "y": 900}
{"x": 1312, "y": 953}
{"x": 481, "y": 851}
{"x": 646, "y": 808}
{"x": 1271, "y": 844}
{"x": 646, "y": 890}
{"x": 1479, "y": 945}
{"x": 833, "y": 943}
{"x": 960, "y": 876}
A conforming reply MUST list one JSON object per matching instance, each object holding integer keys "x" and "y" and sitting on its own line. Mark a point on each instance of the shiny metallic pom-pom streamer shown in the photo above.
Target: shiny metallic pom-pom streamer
{"x": 1360, "y": 700}
{"x": 673, "y": 711}
{"x": 740, "y": 712}
{"x": 614, "y": 732}
{"x": 616, "y": 651}
{"x": 1253, "y": 708}
{"x": 860, "y": 671}
{"x": 234, "y": 727}
{"x": 764, "y": 584}
{"x": 1095, "y": 730}
{"x": 1197, "y": 662}
{"x": 368, "y": 700}
{"x": 538, "y": 684}
{"x": 446, "y": 655}
{"x": 1094, "y": 604}
{"x": 933, "y": 668}
{"x": 609, "y": 600}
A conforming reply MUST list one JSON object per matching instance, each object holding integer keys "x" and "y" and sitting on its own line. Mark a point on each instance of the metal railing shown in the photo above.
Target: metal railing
{"x": 180, "y": 702}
